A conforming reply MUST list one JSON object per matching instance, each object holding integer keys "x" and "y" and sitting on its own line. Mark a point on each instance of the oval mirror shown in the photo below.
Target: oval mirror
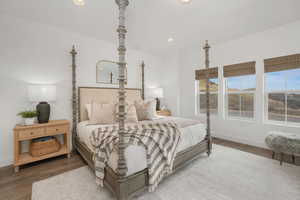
{"x": 107, "y": 72}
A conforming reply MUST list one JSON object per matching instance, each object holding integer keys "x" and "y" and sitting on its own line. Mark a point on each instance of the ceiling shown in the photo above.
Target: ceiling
{"x": 151, "y": 22}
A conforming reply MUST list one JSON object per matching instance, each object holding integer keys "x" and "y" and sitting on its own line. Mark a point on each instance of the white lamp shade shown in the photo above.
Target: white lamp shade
{"x": 156, "y": 92}
{"x": 38, "y": 93}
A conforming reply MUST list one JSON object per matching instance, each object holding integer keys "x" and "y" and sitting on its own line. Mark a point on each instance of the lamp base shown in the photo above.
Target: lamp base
{"x": 43, "y": 110}
{"x": 157, "y": 104}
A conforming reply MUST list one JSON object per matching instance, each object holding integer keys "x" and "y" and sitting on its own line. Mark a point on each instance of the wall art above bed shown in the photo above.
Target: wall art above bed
{"x": 107, "y": 72}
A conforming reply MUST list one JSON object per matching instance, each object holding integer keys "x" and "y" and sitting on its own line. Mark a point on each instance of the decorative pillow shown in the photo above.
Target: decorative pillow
{"x": 102, "y": 114}
{"x": 131, "y": 116}
{"x": 88, "y": 108}
{"x": 146, "y": 110}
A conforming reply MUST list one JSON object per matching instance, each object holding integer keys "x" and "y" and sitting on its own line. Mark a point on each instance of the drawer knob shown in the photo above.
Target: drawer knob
{"x": 57, "y": 129}
{"x": 31, "y": 133}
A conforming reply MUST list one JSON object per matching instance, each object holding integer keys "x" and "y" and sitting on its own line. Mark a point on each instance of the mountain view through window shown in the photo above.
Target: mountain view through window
{"x": 283, "y": 95}
{"x": 240, "y": 96}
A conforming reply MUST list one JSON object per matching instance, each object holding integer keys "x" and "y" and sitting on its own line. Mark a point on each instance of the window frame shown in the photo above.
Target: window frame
{"x": 197, "y": 98}
{"x": 226, "y": 105}
{"x": 266, "y": 104}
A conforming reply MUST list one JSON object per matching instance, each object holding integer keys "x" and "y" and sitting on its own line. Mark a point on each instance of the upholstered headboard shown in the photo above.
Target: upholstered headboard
{"x": 103, "y": 95}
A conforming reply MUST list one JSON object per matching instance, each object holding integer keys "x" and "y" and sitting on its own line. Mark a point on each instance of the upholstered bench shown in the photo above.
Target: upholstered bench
{"x": 284, "y": 143}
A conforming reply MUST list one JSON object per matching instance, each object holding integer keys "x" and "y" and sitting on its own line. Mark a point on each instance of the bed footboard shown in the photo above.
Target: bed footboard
{"x": 133, "y": 185}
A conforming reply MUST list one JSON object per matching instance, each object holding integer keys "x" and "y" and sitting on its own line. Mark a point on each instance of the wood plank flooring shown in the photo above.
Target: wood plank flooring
{"x": 256, "y": 150}
{"x": 244, "y": 147}
{"x": 18, "y": 186}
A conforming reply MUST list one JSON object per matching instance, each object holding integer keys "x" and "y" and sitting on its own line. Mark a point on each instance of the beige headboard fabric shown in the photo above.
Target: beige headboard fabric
{"x": 88, "y": 95}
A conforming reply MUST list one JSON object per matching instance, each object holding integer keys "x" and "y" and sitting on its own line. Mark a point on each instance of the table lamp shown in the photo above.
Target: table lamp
{"x": 42, "y": 94}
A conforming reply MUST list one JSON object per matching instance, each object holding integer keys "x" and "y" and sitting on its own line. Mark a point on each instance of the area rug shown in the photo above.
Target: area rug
{"x": 228, "y": 174}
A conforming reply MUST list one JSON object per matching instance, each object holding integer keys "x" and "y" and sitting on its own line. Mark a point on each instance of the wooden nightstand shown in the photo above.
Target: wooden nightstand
{"x": 164, "y": 113}
{"x": 27, "y": 133}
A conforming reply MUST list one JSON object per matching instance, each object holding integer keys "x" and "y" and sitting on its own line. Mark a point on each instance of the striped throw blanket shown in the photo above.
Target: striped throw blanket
{"x": 159, "y": 139}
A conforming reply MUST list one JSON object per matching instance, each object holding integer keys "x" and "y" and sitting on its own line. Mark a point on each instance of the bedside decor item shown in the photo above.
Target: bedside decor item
{"x": 44, "y": 146}
{"x": 30, "y": 133}
{"x": 42, "y": 94}
{"x": 28, "y": 116}
{"x": 166, "y": 113}
{"x": 156, "y": 93}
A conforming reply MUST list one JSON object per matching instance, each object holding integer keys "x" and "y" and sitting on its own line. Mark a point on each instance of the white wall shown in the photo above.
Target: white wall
{"x": 281, "y": 41}
{"x": 171, "y": 85}
{"x": 35, "y": 53}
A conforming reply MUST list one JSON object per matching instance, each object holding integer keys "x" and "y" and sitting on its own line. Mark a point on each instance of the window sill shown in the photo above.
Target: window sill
{"x": 274, "y": 123}
{"x": 241, "y": 119}
{"x": 204, "y": 115}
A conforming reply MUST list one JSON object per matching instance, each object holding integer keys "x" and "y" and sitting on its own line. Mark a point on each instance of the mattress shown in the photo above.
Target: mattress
{"x": 192, "y": 131}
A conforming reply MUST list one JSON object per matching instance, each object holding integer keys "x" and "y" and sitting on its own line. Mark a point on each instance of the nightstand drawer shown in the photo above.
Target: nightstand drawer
{"x": 57, "y": 129}
{"x": 32, "y": 133}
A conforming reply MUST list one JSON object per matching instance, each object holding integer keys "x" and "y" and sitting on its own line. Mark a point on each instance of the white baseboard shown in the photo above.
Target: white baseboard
{"x": 239, "y": 140}
{"x": 4, "y": 163}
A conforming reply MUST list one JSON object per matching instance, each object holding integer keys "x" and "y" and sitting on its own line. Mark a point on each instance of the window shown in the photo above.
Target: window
{"x": 283, "y": 96}
{"x": 201, "y": 97}
{"x": 240, "y": 94}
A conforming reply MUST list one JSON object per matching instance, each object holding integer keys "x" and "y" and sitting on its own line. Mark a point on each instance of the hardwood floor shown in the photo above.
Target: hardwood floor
{"x": 256, "y": 150}
{"x": 244, "y": 147}
{"x": 18, "y": 186}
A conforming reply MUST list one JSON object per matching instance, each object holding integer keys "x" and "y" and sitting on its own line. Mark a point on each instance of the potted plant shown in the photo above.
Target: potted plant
{"x": 28, "y": 116}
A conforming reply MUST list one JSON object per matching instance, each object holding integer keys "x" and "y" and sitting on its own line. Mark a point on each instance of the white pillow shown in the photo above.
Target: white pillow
{"x": 146, "y": 110}
{"x": 102, "y": 114}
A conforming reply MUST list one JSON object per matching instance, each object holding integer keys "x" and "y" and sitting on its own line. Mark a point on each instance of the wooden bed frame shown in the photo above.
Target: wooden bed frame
{"x": 122, "y": 186}
{"x": 128, "y": 186}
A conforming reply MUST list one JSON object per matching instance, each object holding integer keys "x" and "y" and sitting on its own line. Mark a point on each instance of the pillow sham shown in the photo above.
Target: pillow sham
{"x": 131, "y": 116}
{"x": 102, "y": 114}
{"x": 146, "y": 110}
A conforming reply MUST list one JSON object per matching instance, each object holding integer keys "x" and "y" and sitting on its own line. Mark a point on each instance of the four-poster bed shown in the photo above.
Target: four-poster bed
{"x": 119, "y": 177}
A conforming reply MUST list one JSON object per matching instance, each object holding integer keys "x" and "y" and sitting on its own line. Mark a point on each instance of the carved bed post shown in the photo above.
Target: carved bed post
{"x": 74, "y": 97}
{"x": 208, "y": 134}
{"x": 143, "y": 80}
{"x": 122, "y": 168}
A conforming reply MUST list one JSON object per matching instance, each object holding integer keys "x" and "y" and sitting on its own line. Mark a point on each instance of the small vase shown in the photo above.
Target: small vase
{"x": 29, "y": 121}
{"x": 43, "y": 109}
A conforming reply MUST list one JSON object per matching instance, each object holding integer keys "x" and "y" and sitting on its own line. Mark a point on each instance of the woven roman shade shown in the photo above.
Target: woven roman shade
{"x": 240, "y": 69}
{"x": 201, "y": 73}
{"x": 282, "y": 63}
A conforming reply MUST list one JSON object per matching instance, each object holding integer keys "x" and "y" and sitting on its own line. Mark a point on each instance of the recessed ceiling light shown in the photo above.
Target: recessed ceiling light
{"x": 170, "y": 39}
{"x": 79, "y": 2}
{"x": 185, "y": 1}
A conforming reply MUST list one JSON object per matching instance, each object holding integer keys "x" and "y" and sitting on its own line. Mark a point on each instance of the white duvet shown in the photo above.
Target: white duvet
{"x": 192, "y": 133}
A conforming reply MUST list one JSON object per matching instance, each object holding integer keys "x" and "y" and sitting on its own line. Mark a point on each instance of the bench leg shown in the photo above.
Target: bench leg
{"x": 293, "y": 159}
{"x": 281, "y": 158}
{"x": 273, "y": 155}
